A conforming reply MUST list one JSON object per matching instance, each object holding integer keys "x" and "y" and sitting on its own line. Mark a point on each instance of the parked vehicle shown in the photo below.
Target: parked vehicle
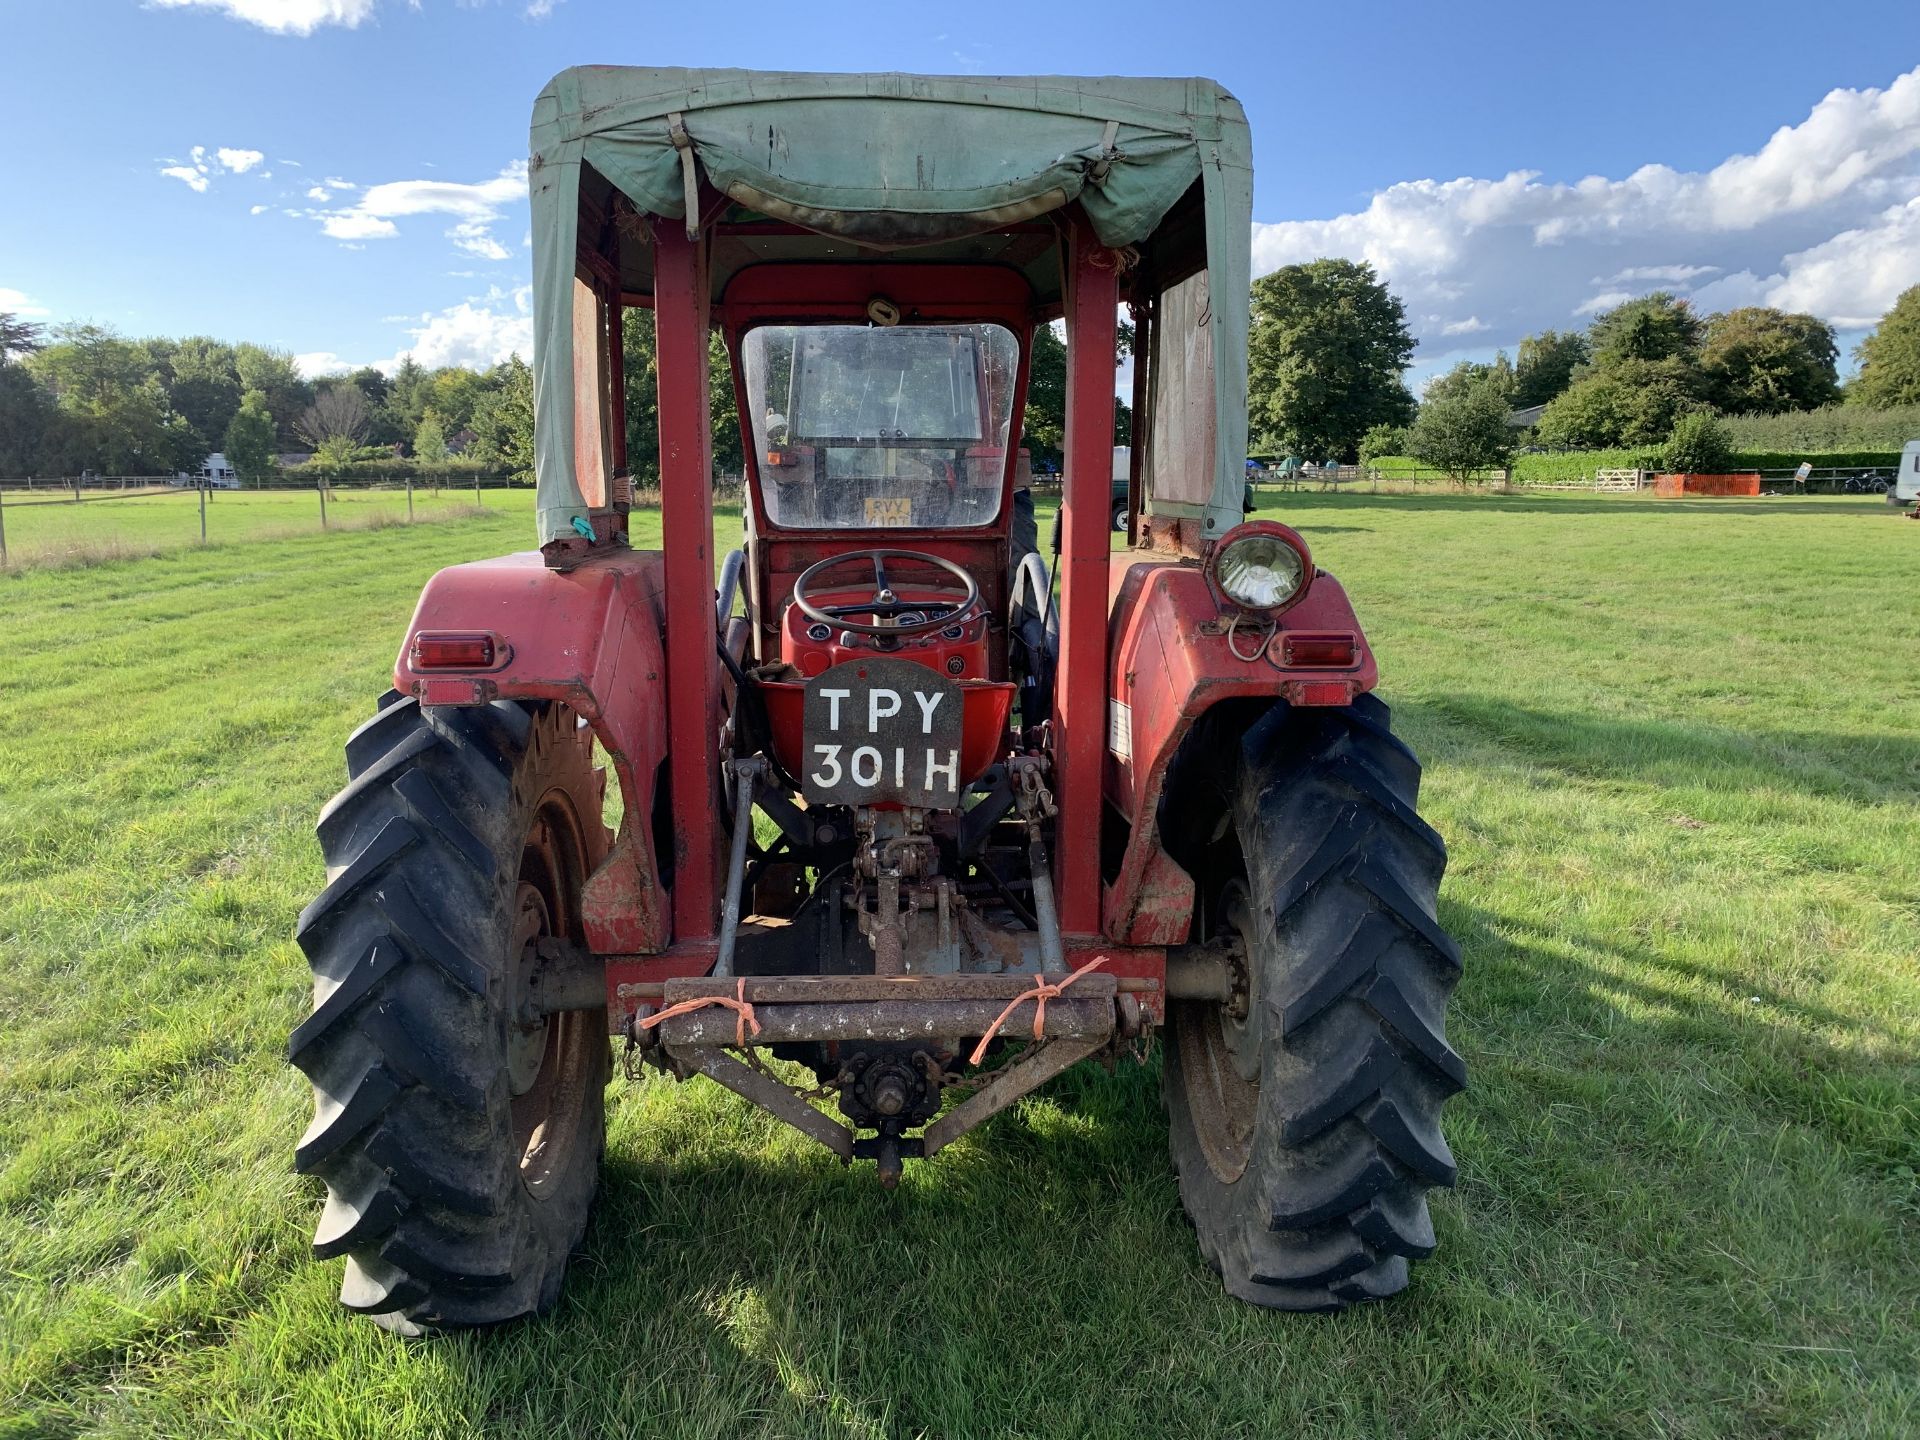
{"x": 1905, "y": 489}
{"x": 1024, "y": 815}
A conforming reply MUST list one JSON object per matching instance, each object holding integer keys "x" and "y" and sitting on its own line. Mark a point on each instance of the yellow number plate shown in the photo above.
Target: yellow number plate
{"x": 885, "y": 510}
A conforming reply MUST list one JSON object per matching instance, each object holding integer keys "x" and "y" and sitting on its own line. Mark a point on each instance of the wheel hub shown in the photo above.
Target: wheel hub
{"x": 1219, "y": 1049}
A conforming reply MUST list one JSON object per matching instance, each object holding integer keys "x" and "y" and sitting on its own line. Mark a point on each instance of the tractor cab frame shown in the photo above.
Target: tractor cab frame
{"x": 900, "y": 796}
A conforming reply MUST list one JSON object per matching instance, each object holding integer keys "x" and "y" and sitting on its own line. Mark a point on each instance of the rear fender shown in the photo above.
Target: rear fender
{"x": 1173, "y": 649}
{"x": 589, "y": 638}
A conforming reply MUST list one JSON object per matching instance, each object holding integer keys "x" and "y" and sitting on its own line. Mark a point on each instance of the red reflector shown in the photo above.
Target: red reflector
{"x": 1320, "y": 692}
{"x": 452, "y": 652}
{"x": 454, "y": 692}
{"x": 1311, "y": 650}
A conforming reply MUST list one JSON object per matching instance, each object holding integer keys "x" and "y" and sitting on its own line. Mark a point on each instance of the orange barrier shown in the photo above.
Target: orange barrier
{"x": 1740, "y": 484}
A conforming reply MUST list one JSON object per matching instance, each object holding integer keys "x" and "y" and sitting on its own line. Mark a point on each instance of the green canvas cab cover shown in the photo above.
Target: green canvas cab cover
{"x": 890, "y": 162}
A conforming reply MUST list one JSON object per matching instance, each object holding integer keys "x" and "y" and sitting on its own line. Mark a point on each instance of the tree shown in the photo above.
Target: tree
{"x": 1328, "y": 345}
{"x": 1381, "y": 441}
{"x": 203, "y": 385}
{"x": 120, "y": 421}
{"x": 503, "y": 422}
{"x": 1546, "y": 365}
{"x": 1760, "y": 361}
{"x": 249, "y": 443}
{"x": 17, "y": 336}
{"x": 382, "y": 428}
{"x": 454, "y": 392}
{"x": 409, "y": 396}
{"x": 722, "y": 413}
{"x": 27, "y": 416}
{"x": 1465, "y": 430}
{"x": 1471, "y": 375}
{"x": 274, "y": 375}
{"x": 640, "y": 373}
{"x": 336, "y": 422}
{"x": 430, "y": 441}
{"x": 1699, "y": 445}
{"x": 88, "y": 366}
{"x": 1654, "y": 327}
{"x": 1633, "y": 402}
{"x": 1890, "y": 357}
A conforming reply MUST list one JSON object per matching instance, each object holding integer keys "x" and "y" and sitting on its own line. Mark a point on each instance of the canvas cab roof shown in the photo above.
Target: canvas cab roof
{"x": 926, "y": 167}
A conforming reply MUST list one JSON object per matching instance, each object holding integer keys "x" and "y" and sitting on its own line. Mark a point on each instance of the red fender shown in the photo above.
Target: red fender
{"x": 591, "y": 639}
{"x": 1173, "y": 656}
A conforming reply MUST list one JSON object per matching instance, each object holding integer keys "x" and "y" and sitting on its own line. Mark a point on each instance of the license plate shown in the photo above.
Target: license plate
{"x": 889, "y": 510}
{"x": 879, "y": 731}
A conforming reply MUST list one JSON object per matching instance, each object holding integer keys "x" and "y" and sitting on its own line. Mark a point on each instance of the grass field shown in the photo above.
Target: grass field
{"x": 1675, "y": 749}
{"x": 44, "y": 532}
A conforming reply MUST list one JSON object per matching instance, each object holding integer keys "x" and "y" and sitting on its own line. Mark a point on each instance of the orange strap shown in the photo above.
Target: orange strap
{"x": 1043, "y": 991}
{"x": 738, "y": 1005}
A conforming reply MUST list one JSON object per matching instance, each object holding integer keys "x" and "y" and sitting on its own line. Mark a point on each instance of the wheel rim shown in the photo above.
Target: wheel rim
{"x": 1219, "y": 1055}
{"x": 550, "y": 1058}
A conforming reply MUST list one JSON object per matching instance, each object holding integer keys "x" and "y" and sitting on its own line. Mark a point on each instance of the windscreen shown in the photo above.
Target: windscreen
{"x": 859, "y": 427}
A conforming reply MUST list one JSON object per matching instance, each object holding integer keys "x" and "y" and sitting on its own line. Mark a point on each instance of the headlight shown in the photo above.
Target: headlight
{"x": 1262, "y": 566}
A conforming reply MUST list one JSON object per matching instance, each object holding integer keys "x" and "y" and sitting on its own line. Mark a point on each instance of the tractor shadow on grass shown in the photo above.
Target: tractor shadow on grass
{"x": 736, "y": 1270}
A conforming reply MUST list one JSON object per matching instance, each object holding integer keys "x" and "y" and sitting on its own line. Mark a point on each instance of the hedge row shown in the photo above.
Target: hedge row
{"x": 1580, "y": 464}
{"x": 1832, "y": 429}
{"x": 451, "y": 472}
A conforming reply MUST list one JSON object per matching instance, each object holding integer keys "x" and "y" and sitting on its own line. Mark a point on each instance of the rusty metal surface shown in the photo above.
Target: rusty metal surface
{"x": 770, "y": 1095}
{"x": 1032, "y": 1070}
{"x": 1168, "y": 668}
{"x": 568, "y": 976}
{"x": 923, "y": 1021}
{"x": 591, "y": 639}
{"x": 857, "y": 989}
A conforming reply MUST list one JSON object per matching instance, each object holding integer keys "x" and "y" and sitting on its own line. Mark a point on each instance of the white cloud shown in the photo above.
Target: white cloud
{"x": 1657, "y": 275}
{"x": 475, "y": 333}
{"x": 476, "y": 206}
{"x": 239, "y": 161}
{"x": 334, "y": 182}
{"x": 473, "y": 237}
{"x": 316, "y": 363}
{"x": 541, "y": 9}
{"x": 19, "y": 303}
{"x": 258, "y": 209}
{"x": 1605, "y": 300}
{"x": 1825, "y": 216}
{"x": 188, "y": 176}
{"x": 348, "y": 225}
{"x": 285, "y": 17}
{"x": 317, "y": 192}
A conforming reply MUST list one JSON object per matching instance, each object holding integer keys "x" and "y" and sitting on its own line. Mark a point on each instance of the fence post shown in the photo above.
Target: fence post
{"x": 320, "y": 484}
{"x": 3, "y": 526}
{"x": 476, "y": 490}
{"x": 409, "y": 499}
{"x": 203, "y": 514}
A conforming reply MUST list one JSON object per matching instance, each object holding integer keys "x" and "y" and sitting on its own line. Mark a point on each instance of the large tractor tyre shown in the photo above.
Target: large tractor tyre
{"x": 1304, "y": 1113}
{"x": 458, "y": 1132}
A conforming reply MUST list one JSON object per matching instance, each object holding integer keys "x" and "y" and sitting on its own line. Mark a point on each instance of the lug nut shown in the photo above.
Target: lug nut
{"x": 955, "y": 665}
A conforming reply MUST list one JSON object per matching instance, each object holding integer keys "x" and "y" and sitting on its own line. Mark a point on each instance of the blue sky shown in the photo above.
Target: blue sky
{"x": 1508, "y": 167}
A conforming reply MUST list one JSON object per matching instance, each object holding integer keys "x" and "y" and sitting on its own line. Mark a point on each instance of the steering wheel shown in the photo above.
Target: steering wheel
{"x": 884, "y": 602}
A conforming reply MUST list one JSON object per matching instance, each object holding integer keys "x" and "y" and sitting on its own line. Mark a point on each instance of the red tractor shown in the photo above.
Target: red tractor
{"x": 904, "y": 805}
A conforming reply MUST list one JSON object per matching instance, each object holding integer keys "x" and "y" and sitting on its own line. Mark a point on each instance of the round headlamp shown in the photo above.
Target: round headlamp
{"x": 1262, "y": 565}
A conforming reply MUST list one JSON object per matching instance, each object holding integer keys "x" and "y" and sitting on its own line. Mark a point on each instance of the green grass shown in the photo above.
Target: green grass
{"x": 1675, "y": 749}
